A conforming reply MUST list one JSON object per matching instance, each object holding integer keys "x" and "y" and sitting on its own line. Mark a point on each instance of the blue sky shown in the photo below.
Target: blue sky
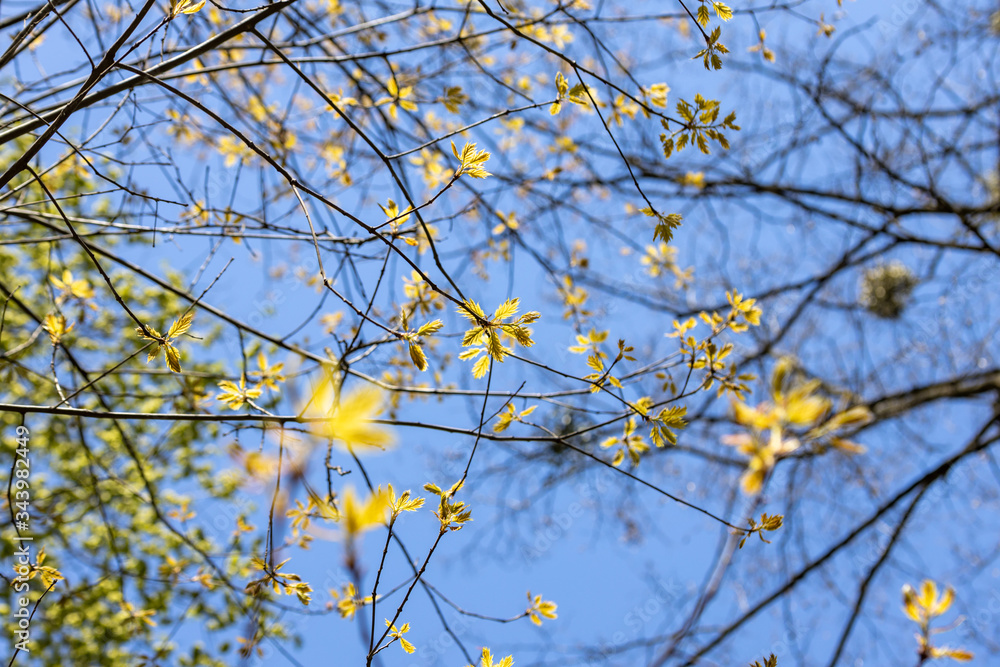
{"x": 623, "y": 562}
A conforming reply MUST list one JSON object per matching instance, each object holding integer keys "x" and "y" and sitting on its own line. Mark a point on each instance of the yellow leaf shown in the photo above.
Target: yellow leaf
{"x": 854, "y": 416}
{"x": 236, "y": 395}
{"x": 487, "y": 660}
{"x": 960, "y": 655}
{"x": 357, "y": 516}
{"x": 418, "y": 357}
{"x": 910, "y": 606}
{"x": 470, "y": 310}
{"x": 55, "y": 326}
{"x": 506, "y": 309}
{"x": 142, "y": 334}
{"x": 403, "y": 503}
{"x": 752, "y": 481}
{"x": 722, "y": 11}
{"x": 430, "y": 328}
{"x": 619, "y": 457}
{"x": 350, "y": 422}
{"x": 481, "y": 367}
{"x": 173, "y": 357}
{"x": 538, "y": 608}
{"x": 944, "y": 603}
{"x": 928, "y": 594}
{"x": 181, "y": 325}
{"x": 269, "y": 375}
{"x": 847, "y": 446}
{"x": 472, "y": 160}
{"x": 562, "y": 86}
{"x": 186, "y": 7}
{"x": 781, "y": 369}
